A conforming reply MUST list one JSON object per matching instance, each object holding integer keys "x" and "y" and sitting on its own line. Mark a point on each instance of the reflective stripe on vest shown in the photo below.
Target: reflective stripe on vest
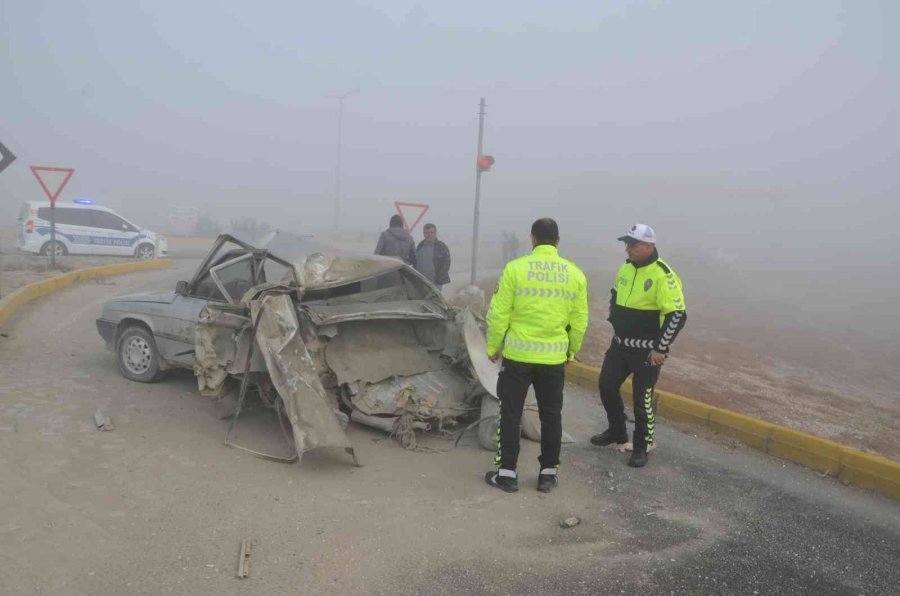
{"x": 543, "y": 347}
{"x": 546, "y": 293}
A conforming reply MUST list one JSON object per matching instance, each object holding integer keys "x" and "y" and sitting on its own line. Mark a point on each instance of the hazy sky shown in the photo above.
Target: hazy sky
{"x": 740, "y": 125}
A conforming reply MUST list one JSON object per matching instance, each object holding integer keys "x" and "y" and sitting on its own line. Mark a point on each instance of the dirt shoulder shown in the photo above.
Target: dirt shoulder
{"x": 20, "y": 269}
{"x": 837, "y": 386}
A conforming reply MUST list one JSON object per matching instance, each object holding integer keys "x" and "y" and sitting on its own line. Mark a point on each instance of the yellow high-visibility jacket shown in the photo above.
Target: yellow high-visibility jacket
{"x": 539, "y": 311}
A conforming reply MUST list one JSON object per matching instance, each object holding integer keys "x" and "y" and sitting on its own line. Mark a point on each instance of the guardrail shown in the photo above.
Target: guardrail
{"x": 849, "y": 465}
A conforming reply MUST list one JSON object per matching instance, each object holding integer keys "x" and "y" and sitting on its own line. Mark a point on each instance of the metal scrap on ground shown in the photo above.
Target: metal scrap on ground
{"x": 103, "y": 422}
{"x": 243, "y": 571}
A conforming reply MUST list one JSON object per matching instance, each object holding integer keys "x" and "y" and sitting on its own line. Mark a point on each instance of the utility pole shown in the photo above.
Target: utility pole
{"x": 478, "y": 171}
{"x": 337, "y": 169}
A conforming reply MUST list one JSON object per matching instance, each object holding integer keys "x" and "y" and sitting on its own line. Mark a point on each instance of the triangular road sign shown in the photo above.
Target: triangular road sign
{"x": 6, "y": 157}
{"x": 52, "y": 180}
{"x": 408, "y": 210}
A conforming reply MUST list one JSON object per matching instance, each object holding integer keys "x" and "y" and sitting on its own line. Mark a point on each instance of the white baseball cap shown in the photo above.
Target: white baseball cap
{"x": 639, "y": 233}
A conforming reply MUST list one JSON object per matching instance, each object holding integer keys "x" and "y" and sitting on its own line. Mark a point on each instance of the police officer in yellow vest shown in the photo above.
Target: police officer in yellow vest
{"x": 538, "y": 316}
{"x": 647, "y": 311}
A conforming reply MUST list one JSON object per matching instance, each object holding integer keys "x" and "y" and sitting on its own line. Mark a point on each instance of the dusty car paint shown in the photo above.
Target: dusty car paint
{"x": 366, "y": 338}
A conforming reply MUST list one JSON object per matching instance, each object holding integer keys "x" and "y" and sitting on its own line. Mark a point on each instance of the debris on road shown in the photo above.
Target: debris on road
{"x": 570, "y": 522}
{"x": 103, "y": 422}
{"x": 244, "y": 559}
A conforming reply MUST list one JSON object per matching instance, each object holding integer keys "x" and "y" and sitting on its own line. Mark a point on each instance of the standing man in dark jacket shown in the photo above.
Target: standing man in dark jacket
{"x": 397, "y": 242}
{"x": 433, "y": 257}
{"x": 647, "y": 311}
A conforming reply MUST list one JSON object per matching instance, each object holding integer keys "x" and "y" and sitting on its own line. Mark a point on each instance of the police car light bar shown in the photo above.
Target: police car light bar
{"x": 85, "y": 201}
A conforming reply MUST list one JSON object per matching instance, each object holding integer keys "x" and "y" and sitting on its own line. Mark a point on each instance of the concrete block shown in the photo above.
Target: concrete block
{"x": 677, "y": 407}
{"x": 751, "y": 431}
{"x": 869, "y": 471}
{"x": 813, "y": 452}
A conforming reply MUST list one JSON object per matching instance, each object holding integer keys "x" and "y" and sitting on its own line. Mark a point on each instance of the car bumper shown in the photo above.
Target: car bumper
{"x": 107, "y": 330}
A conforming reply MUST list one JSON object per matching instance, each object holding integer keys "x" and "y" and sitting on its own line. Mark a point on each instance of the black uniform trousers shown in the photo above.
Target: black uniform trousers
{"x": 512, "y": 389}
{"x": 617, "y": 365}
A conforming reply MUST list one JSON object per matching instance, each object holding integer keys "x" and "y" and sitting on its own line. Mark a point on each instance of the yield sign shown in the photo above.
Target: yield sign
{"x": 412, "y": 209}
{"x": 6, "y": 157}
{"x": 52, "y": 180}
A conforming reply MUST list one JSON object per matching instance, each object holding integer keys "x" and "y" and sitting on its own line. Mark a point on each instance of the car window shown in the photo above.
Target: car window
{"x": 275, "y": 271}
{"x": 67, "y": 216}
{"x": 236, "y": 277}
{"x": 105, "y": 220}
{"x": 74, "y": 217}
{"x": 207, "y": 288}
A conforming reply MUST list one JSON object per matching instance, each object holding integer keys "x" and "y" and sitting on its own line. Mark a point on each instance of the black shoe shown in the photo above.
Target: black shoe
{"x": 547, "y": 482}
{"x": 504, "y": 483}
{"x": 608, "y": 437}
{"x": 638, "y": 458}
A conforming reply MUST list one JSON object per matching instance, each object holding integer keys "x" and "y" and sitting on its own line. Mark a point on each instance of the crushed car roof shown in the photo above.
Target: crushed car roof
{"x": 319, "y": 271}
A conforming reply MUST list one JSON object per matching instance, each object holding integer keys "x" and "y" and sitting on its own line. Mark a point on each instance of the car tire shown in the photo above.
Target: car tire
{"x": 137, "y": 355}
{"x": 48, "y": 247}
{"x": 488, "y": 425}
{"x": 145, "y": 252}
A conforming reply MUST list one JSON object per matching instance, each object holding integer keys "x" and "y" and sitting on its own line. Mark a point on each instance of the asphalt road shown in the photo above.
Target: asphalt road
{"x": 160, "y": 505}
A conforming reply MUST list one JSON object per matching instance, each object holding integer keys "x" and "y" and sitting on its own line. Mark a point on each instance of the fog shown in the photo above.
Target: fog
{"x": 760, "y": 139}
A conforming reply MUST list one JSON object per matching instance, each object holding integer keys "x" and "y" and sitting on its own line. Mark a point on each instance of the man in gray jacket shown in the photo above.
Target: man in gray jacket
{"x": 397, "y": 242}
{"x": 433, "y": 257}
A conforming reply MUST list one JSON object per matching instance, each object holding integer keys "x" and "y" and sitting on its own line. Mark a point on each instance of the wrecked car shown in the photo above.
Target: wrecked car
{"x": 337, "y": 338}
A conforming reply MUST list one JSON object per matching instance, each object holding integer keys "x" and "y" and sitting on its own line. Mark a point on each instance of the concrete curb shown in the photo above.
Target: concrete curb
{"x": 26, "y": 294}
{"x": 850, "y": 466}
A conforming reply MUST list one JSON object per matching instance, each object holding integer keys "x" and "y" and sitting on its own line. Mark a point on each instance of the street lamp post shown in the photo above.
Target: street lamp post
{"x": 337, "y": 169}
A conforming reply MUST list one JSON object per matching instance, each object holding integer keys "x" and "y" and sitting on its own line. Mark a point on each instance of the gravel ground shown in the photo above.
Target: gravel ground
{"x": 160, "y": 505}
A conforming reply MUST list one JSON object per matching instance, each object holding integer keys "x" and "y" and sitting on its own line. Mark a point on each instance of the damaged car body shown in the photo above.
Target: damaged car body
{"x": 337, "y": 338}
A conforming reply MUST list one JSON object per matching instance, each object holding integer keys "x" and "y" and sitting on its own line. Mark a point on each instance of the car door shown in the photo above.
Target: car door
{"x": 223, "y": 283}
{"x": 75, "y": 226}
{"x": 115, "y": 236}
{"x": 185, "y": 313}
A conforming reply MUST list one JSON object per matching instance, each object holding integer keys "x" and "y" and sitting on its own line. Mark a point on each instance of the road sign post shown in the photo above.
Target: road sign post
{"x": 6, "y": 157}
{"x": 52, "y": 180}
{"x": 403, "y": 207}
{"x": 483, "y": 163}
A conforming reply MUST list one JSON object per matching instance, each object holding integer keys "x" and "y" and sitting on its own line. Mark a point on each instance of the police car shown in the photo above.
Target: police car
{"x": 83, "y": 228}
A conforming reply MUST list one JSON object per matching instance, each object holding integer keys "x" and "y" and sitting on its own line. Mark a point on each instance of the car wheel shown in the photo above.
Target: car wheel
{"x": 54, "y": 247}
{"x": 145, "y": 252}
{"x": 137, "y": 355}
{"x": 488, "y": 426}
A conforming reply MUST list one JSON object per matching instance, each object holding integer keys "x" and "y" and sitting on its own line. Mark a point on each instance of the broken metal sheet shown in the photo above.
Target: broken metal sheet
{"x": 222, "y": 338}
{"x": 391, "y": 294}
{"x": 295, "y": 376}
{"x": 372, "y": 351}
{"x": 244, "y": 559}
{"x": 102, "y": 421}
{"x": 208, "y": 367}
{"x": 486, "y": 371}
{"x": 388, "y": 424}
{"x": 432, "y": 395}
{"x": 328, "y": 314}
{"x": 318, "y": 271}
